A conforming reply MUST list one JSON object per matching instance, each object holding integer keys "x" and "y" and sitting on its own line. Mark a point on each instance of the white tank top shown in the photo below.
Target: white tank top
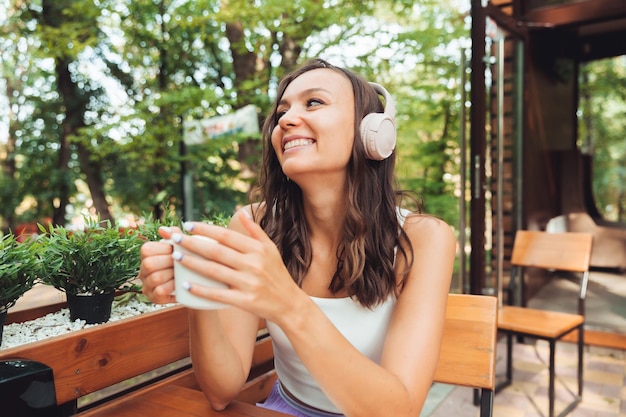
{"x": 365, "y": 329}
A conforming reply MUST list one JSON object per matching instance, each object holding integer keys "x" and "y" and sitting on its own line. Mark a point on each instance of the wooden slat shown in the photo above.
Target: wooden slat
{"x": 541, "y": 323}
{"x": 91, "y": 359}
{"x": 599, "y": 338}
{"x": 176, "y": 401}
{"x": 468, "y": 350}
{"x": 258, "y": 389}
{"x": 561, "y": 251}
{"x": 263, "y": 352}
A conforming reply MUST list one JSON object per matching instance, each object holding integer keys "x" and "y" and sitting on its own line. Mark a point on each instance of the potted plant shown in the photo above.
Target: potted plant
{"x": 18, "y": 272}
{"x": 90, "y": 265}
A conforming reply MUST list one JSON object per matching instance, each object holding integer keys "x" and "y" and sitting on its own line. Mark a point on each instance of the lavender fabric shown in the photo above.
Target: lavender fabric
{"x": 279, "y": 401}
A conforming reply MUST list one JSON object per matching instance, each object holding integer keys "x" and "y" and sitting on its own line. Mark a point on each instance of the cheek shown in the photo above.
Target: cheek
{"x": 349, "y": 134}
{"x": 277, "y": 140}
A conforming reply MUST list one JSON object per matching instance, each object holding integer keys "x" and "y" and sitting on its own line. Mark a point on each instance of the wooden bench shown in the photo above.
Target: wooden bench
{"x": 142, "y": 360}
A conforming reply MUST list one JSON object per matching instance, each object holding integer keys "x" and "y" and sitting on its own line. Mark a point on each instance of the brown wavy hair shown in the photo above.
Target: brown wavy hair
{"x": 371, "y": 232}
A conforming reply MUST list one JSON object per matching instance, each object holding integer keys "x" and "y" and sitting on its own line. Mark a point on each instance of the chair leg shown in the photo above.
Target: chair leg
{"x": 477, "y": 396}
{"x": 509, "y": 363}
{"x": 486, "y": 403}
{"x": 551, "y": 383}
{"x": 509, "y": 358}
{"x": 551, "y": 388}
{"x": 581, "y": 346}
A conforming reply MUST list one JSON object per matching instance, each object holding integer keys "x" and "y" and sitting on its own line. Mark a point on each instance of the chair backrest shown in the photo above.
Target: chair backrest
{"x": 559, "y": 251}
{"x": 555, "y": 251}
{"x": 468, "y": 350}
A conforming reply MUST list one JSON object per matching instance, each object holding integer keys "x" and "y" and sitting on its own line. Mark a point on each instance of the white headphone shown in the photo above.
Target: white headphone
{"x": 378, "y": 130}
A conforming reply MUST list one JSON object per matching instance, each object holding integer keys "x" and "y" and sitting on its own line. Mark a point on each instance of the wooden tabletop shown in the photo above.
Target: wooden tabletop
{"x": 176, "y": 401}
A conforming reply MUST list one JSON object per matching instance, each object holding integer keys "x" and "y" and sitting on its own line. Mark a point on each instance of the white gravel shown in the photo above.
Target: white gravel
{"x": 58, "y": 323}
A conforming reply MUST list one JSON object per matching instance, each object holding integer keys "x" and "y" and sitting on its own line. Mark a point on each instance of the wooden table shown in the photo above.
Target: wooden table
{"x": 176, "y": 401}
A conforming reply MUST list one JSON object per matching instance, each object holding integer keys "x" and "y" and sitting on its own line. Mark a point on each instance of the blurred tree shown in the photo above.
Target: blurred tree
{"x": 601, "y": 132}
{"x": 127, "y": 74}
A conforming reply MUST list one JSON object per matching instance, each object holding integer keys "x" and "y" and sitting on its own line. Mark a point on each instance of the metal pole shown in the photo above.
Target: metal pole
{"x": 500, "y": 179}
{"x": 478, "y": 148}
{"x": 463, "y": 186}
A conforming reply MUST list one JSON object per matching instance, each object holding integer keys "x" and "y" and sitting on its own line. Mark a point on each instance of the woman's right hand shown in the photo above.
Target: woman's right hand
{"x": 156, "y": 271}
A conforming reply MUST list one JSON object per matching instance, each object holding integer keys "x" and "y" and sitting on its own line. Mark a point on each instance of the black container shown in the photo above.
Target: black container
{"x": 26, "y": 389}
{"x": 93, "y": 309}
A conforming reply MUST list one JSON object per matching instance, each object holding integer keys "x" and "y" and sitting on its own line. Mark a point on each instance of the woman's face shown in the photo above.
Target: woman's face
{"x": 315, "y": 129}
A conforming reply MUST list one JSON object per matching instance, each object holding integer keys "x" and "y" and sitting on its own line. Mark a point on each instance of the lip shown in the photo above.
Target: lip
{"x": 292, "y": 138}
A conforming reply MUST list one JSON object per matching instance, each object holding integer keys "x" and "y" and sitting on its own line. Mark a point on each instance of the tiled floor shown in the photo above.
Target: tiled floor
{"x": 604, "y": 392}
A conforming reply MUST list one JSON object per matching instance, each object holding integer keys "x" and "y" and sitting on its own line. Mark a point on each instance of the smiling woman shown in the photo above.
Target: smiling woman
{"x": 352, "y": 286}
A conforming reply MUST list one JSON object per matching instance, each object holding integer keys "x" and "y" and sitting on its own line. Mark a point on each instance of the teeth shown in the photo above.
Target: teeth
{"x": 297, "y": 142}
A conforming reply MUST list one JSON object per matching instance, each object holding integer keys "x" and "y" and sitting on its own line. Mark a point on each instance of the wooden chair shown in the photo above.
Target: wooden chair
{"x": 468, "y": 348}
{"x": 554, "y": 252}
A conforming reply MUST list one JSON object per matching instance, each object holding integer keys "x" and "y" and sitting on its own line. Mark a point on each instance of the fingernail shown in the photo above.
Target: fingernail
{"x": 177, "y": 237}
{"x": 166, "y": 228}
{"x": 186, "y": 285}
{"x": 188, "y": 226}
{"x": 177, "y": 255}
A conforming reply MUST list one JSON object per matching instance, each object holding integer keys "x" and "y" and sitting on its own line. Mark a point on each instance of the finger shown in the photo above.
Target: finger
{"x": 164, "y": 294}
{"x": 159, "y": 286}
{"x": 166, "y": 231}
{"x": 150, "y": 249}
{"x": 217, "y": 254}
{"x": 226, "y": 237}
{"x": 155, "y": 264}
{"x": 212, "y": 270}
{"x": 221, "y": 295}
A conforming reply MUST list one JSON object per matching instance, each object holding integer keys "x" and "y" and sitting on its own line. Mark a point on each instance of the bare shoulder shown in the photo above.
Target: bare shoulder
{"x": 254, "y": 210}
{"x": 425, "y": 223}
{"x": 424, "y": 229}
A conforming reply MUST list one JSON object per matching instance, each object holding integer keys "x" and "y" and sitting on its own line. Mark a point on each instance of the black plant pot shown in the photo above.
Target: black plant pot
{"x": 3, "y": 319}
{"x": 94, "y": 308}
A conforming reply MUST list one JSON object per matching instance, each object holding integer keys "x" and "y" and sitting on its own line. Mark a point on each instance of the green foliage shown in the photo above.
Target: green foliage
{"x": 601, "y": 132}
{"x": 219, "y": 219}
{"x": 143, "y": 68}
{"x": 18, "y": 269}
{"x": 148, "y": 230}
{"x": 96, "y": 260}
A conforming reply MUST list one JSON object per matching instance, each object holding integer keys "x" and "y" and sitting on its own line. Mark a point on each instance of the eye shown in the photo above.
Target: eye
{"x": 313, "y": 102}
{"x": 280, "y": 113}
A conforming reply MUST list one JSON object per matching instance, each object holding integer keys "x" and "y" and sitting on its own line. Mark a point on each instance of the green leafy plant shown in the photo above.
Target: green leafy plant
{"x": 149, "y": 228}
{"x": 18, "y": 269}
{"x": 97, "y": 260}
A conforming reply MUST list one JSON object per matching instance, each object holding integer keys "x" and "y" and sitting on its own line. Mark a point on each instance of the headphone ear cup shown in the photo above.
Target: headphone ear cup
{"x": 378, "y": 133}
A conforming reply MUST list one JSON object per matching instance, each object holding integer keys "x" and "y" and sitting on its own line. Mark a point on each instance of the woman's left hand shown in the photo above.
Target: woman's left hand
{"x": 247, "y": 261}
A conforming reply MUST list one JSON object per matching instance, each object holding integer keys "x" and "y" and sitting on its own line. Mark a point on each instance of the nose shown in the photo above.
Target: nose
{"x": 290, "y": 118}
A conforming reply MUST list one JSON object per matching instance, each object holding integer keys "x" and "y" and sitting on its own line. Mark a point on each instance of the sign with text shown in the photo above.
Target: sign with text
{"x": 244, "y": 120}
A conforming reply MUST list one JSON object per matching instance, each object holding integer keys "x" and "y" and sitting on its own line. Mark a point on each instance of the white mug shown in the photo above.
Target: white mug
{"x": 183, "y": 274}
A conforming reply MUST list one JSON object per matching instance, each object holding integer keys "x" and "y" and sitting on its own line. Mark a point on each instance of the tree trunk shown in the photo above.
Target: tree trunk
{"x": 75, "y": 103}
{"x": 9, "y": 167}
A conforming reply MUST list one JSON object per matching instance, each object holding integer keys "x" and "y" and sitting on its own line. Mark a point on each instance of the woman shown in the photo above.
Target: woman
{"x": 353, "y": 290}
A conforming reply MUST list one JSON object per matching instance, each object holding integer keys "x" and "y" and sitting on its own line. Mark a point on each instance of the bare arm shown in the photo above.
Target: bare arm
{"x": 221, "y": 341}
{"x": 398, "y": 386}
